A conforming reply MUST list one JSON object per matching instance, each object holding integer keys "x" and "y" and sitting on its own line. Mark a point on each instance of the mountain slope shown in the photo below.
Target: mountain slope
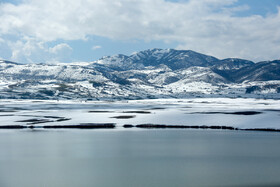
{"x": 153, "y": 73}
{"x": 262, "y": 71}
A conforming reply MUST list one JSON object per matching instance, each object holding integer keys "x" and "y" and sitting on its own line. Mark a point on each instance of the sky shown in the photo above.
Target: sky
{"x": 40, "y": 31}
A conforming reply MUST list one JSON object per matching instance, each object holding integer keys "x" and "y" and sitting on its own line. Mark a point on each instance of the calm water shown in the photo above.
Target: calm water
{"x": 131, "y": 158}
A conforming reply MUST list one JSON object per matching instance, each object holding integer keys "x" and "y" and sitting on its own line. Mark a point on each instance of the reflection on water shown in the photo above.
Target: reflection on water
{"x": 138, "y": 158}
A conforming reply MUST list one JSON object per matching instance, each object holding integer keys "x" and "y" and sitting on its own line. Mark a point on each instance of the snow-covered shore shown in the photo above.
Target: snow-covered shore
{"x": 238, "y": 113}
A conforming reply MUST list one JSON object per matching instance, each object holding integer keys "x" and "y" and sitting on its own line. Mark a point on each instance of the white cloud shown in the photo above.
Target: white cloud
{"x": 96, "y": 47}
{"x": 207, "y": 26}
{"x": 27, "y": 50}
{"x": 31, "y": 50}
{"x": 59, "y": 48}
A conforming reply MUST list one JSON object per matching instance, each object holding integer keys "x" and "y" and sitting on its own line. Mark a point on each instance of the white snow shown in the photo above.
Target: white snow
{"x": 172, "y": 112}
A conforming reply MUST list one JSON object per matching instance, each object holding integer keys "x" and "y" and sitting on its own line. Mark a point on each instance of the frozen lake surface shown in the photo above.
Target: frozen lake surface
{"x": 136, "y": 156}
{"x": 238, "y": 113}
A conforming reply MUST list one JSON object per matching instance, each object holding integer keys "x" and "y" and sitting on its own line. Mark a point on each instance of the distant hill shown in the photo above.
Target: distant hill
{"x": 153, "y": 73}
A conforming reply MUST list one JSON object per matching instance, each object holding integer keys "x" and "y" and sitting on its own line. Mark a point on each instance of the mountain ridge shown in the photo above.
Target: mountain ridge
{"x": 152, "y": 73}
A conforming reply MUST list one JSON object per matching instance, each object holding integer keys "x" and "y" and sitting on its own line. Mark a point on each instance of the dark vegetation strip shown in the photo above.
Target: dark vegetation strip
{"x": 100, "y": 111}
{"x": 247, "y": 113}
{"x": 137, "y": 112}
{"x": 82, "y": 126}
{"x": 54, "y": 117}
{"x": 36, "y": 116}
{"x": 35, "y": 121}
{"x": 156, "y": 126}
{"x": 145, "y": 126}
{"x": 123, "y": 117}
{"x": 262, "y": 129}
{"x": 7, "y": 110}
{"x": 29, "y": 120}
{"x": 12, "y": 127}
{"x": 128, "y": 126}
{"x": 184, "y": 127}
{"x": 63, "y": 119}
{"x": 156, "y": 108}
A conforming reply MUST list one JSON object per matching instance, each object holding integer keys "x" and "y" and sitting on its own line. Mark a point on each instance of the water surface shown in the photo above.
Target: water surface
{"x": 120, "y": 158}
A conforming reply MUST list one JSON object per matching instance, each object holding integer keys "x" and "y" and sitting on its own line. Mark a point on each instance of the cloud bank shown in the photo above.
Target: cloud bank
{"x": 207, "y": 26}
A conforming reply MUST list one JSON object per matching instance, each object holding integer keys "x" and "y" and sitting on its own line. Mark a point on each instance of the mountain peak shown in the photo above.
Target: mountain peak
{"x": 172, "y": 58}
{"x": 145, "y": 74}
{"x": 8, "y": 62}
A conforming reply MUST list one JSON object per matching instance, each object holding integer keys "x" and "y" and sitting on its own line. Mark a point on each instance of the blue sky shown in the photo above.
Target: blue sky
{"x": 36, "y": 31}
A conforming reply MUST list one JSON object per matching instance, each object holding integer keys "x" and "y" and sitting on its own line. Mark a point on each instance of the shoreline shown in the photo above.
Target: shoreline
{"x": 140, "y": 126}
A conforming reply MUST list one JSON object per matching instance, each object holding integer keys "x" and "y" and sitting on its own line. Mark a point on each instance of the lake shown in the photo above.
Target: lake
{"x": 138, "y": 157}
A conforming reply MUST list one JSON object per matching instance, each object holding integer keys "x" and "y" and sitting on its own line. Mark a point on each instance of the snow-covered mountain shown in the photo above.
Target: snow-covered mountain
{"x": 154, "y": 73}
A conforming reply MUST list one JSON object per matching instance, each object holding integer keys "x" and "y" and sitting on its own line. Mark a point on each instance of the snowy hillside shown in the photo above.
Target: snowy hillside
{"x": 154, "y": 73}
